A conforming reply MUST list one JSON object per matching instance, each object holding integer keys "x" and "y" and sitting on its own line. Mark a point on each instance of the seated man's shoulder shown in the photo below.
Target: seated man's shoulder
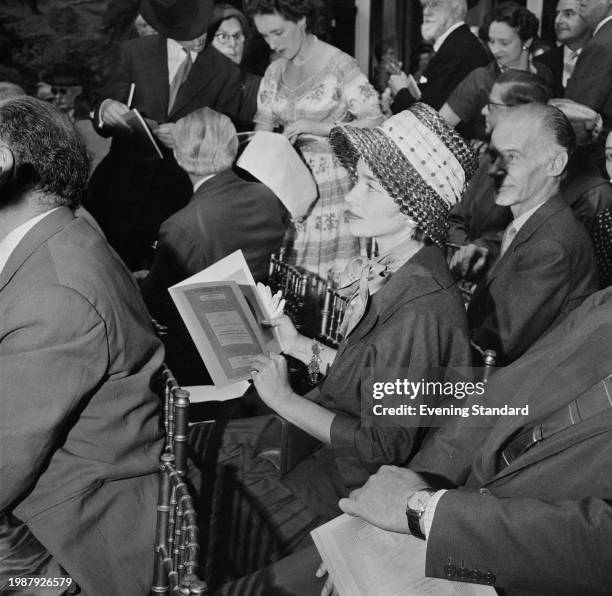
{"x": 82, "y": 260}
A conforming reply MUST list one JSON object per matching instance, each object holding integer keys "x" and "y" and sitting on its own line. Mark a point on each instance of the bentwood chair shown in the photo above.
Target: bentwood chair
{"x": 176, "y": 538}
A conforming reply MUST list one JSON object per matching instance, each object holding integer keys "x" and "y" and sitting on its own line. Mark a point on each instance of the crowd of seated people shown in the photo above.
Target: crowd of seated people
{"x": 520, "y": 220}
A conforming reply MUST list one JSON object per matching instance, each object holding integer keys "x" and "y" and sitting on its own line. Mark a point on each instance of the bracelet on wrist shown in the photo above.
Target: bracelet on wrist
{"x": 314, "y": 366}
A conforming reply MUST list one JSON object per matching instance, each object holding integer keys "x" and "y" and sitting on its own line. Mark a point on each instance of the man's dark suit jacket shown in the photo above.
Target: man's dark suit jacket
{"x": 459, "y": 55}
{"x": 80, "y": 435}
{"x": 553, "y": 58}
{"x": 591, "y": 81}
{"x": 225, "y": 214}
{"x": 129, "y": 197}
{"x": 547, "y": 271}
{"x": 476, "y": 218}
{"x": 543, "y": 524}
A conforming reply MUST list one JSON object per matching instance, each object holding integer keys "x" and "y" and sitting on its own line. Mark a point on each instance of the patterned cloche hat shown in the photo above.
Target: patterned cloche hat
{"x": 419, "y": 159}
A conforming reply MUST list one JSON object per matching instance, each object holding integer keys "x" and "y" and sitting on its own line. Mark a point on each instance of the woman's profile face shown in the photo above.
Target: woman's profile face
{"x": 371, "y": 210}
{"x": 505, "y": 45}
{"x": 609, "y": 155}
{"x": 229, "y": 39}
{"x": 283, "y": 36}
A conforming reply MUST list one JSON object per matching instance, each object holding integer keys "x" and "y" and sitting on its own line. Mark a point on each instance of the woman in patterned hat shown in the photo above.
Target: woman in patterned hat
{"x": 405, "y": 321}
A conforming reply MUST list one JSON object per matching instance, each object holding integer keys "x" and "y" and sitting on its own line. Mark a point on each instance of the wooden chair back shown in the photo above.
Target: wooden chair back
{"x": 177, "y": 545}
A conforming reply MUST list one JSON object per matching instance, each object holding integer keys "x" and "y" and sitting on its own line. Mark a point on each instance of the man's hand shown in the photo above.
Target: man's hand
{"x": 328, "y": 588}
{"x": 271, "y": 379}
{"x": 112, "y": 115}
{"x": 397, "y": 82}
{"x": 165, "y": 134}
{"x": 382, "y": 499}
{"x": 469, "y": 260}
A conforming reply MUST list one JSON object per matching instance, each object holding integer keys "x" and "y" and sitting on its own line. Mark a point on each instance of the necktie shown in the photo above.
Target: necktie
{"x": 507, "y": 238}
{"x": 179, "y": 78}
{"x": 568, "y": 67}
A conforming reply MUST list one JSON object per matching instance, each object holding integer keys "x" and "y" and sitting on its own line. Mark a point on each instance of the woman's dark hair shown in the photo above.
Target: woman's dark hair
{"x": 290, "y": 10}
{"x": 516, "y": 16}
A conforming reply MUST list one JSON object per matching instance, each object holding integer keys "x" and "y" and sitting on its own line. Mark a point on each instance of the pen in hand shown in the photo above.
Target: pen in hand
{"x": 131, "y": 96}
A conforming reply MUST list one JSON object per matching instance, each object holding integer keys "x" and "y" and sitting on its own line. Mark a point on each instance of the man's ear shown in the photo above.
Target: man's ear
{"x": 7, "y": 165}
{"x": 558, "y": 162}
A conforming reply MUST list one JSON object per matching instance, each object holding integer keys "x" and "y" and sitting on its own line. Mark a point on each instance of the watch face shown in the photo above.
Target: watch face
{"x": 418, "y": 501}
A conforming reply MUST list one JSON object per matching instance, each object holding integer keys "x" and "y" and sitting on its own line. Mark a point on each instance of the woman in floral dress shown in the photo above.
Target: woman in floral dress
{"x": 311, "y": 87}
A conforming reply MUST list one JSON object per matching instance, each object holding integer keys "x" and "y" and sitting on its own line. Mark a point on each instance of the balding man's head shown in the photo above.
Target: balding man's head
{"x": 530, "y": 148}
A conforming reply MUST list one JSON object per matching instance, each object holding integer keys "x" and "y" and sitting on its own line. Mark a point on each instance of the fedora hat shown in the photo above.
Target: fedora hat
{"x": 178, "y": 19}
{"x": 421, "y": 161}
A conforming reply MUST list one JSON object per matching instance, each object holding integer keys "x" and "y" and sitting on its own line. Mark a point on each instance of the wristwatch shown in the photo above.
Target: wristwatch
{"x": 417, "y": 502}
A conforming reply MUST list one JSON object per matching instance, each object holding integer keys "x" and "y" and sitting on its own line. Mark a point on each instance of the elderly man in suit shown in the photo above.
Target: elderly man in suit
{"x": 79, "y": 433}
{"x": 457, "y": 53}
{"x": 225, "y": 214}
{"x": 591, "y": 81}
{"x": 546, "y": 265}
{"x": 572, "y": 33}
{"x": 171, "y": 75}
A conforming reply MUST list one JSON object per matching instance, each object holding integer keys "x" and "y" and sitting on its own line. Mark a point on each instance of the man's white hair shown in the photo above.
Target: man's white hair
{"x": 460, "y": 8}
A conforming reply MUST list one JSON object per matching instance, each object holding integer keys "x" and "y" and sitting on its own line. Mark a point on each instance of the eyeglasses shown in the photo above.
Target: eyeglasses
{"x": 224, "y": 38}
{"x": 491, "y": 105}
{"x": 432, "y": 4}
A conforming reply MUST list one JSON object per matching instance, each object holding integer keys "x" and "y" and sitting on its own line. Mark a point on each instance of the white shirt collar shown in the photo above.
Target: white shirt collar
{"x": 521, "y": 220}
{"x": 15, "y": 236}
{"x": 176, "y": 55}
{"x": 601, "y": 24}
{"x": 200, "y": 182}
{"x": 442, "y": 38}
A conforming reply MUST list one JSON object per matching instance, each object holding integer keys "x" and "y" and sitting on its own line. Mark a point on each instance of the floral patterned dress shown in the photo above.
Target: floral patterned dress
{"x": 338, "y": 92}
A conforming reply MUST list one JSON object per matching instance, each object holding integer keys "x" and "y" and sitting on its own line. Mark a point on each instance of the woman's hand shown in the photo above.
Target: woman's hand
{"x": 271, "y": 379}
{"x": 312, "y": 127}
{"x": 287, "y": 334}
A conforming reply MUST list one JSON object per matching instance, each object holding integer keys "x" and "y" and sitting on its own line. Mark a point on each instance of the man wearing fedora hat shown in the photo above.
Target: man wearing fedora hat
{"x": 457, "y": 52}
{"x": 165, "y": 77}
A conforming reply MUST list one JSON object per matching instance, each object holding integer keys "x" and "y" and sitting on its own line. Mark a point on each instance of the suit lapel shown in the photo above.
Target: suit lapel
{"x": 205, "y": 70}
{"x": 541, "y": 215}
{"x": 154, "y": 61}
{"x": 40, "y": 233}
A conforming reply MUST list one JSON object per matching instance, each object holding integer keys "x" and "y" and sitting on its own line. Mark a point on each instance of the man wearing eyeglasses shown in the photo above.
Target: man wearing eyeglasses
{"x": 457, "y": 52}
{"x": 165, "y": 77}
